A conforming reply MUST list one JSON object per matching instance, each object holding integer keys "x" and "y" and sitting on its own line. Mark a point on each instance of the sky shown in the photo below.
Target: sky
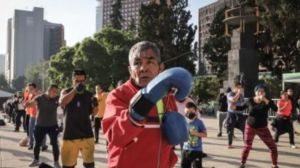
{"x": 77, "y": 16}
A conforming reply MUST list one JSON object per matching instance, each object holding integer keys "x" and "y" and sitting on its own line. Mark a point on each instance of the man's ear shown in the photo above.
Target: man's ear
{"x": 161, "y": 67}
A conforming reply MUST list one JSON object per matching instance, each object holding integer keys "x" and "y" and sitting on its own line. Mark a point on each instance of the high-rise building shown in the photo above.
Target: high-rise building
{"x": 99, "y": 15}
{"x": 206, "y": 15}
{"x": 2, "y": 63}
{"x": 30, "y": 40}
{"x": 129, "y": 11}
{"x": 53, "y": 38}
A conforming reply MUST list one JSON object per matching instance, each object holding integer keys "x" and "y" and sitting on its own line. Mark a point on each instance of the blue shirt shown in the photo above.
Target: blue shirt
{"x": 194, "y": 143}
{"x": 239, "y": 102}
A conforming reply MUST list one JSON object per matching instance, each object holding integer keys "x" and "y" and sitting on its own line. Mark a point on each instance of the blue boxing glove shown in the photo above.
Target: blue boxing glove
{"x": 157, "y": 88}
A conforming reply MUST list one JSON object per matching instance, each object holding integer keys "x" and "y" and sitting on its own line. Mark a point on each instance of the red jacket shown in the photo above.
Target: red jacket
{"x": 130, "y": 145}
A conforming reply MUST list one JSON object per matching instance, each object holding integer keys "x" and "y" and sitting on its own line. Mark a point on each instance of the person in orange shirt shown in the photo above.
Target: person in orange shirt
{"x": 283, "y": 122}
{"x": 33, "y": 92}
{"x": 101, "y": 95}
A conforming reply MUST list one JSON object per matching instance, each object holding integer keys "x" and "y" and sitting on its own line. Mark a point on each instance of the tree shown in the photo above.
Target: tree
{"x": 19, "y": 83}
{"x": 93, "y": 58}
{"x": 61, "y": 67}
{"x": 168, "y": 27}
{"x": 104, "y": 57}
{"x": 281, "y": 20}
{"x": 117, "y": 44}
{"x": 38, "y": 75}
{"x": 217, "y": 46}
{"x": 206, "y": 87}
{"x": 3, "y": 82}
{"x": 116, "y": 16}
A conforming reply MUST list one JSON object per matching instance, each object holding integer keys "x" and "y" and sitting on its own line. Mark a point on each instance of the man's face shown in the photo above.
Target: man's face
{"x": 290, "y": 92}
{"x": 53, "y": 92}
{"x": 284, "y": 96}
{"x": 98, "y": 89}
{"x": 78, "y": 79}
{"x": 144, "y": 68}
{"x": 31, "y": 89}
{"x": 260, "y": 92}
{"x": 238, "y": 88}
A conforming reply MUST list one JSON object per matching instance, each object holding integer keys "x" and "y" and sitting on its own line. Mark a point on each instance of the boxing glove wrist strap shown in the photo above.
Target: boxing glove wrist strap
{"x": 140, "y": 106}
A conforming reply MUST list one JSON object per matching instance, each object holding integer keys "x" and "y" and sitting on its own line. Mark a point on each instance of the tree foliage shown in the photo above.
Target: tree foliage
{"x": 206, "y": 87}
{"x": 282, "y": 31}
{"x": 3, "y": 82}
{"x": 104, "y": 57}
{"x": 38, "y": 75}
{"x": 19, "y": 83}
{"x": 168, "y": 27}
{"x": 217, "y": 46}
{"x": 116, "y": 16}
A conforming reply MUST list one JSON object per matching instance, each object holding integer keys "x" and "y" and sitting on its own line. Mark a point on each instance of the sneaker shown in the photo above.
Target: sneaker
{"x": 274, "y": 166}
{"x": 44, "y": 148}
{"x": 219, "y": 134}
{"x": 30, "y": 147}
{"x": 293, "y": 146}
{"x": 96, "y": 141}
{"x": 242, "y": 166}
{"x": 34, "y": 163}
{"x": 56, "y": 164}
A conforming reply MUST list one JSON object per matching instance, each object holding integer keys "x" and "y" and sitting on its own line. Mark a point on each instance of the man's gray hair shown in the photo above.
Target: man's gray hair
{"x": 140, "y": 47}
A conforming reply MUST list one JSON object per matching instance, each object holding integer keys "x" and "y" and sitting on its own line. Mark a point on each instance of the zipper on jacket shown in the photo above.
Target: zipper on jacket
{"x": 159, "y": 152}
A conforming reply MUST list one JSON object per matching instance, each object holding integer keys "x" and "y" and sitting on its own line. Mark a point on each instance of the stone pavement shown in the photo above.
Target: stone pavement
{"x": 13, "y": 156}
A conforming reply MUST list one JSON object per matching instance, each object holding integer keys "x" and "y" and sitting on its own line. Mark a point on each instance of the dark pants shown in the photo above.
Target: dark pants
{"x": 97, "y": 127}
{"x": 20, "y": 114}
{"x": 39, "y": 135}
{"x": 190, "y": 158}
{"x": 27, "y": 118}
{"x": 284, "y": 125}
{"x": 234, "y": 120}
{"x": 265, "y": 135}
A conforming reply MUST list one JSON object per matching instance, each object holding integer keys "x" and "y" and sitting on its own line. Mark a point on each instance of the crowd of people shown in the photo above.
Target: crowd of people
{"x": 144, "y": 118}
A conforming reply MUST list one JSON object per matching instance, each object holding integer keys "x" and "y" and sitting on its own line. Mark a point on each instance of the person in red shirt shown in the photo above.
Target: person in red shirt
{"x": 283, "y": 122}
{"x": 132, "y": 118}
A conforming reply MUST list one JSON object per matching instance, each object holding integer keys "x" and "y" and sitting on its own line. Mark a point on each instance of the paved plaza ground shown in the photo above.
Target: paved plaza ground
{"x": 13, "y": 156}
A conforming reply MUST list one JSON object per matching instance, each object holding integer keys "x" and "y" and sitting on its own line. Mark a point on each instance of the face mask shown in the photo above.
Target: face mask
{"x": 191, "y": 115}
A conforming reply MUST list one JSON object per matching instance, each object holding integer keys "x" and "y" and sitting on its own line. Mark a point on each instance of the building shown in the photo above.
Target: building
{"x": 129, "y": 11}
{"x": 30, "y": 40}
{"x": 99, "y": 16}
{"x": 206, "y": 15}
{"x": 53, "y": 38}
{"x": 2, "y": 63}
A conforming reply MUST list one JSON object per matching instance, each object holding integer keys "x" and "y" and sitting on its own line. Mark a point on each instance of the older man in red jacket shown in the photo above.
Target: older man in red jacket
{"x": 134, "y": 110}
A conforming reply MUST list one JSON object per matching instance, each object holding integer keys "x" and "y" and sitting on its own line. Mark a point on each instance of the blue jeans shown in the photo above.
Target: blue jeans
{"x": 32, "y": 122}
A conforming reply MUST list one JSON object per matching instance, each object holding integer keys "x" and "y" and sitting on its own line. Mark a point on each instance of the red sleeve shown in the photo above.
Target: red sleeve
{"x": 118, "y": 128}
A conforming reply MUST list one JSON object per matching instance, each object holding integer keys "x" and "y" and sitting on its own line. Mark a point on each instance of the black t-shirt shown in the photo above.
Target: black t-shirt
{"x": 258, "y": 113}
{"x": 222, "y": 100}
{"x": 77, "y": 116}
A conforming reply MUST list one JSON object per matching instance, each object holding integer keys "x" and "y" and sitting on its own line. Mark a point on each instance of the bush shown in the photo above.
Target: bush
{"x": 206, "y": 88}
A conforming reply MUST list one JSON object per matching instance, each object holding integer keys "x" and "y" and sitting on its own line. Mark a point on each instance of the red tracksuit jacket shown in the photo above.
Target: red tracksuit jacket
{"x": 130, "y": 145}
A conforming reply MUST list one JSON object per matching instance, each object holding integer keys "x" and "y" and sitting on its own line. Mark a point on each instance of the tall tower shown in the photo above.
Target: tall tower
{"x": 30, "y": 40}
{"x": 27, "y": 31}
{"x": 99, "y": 16}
